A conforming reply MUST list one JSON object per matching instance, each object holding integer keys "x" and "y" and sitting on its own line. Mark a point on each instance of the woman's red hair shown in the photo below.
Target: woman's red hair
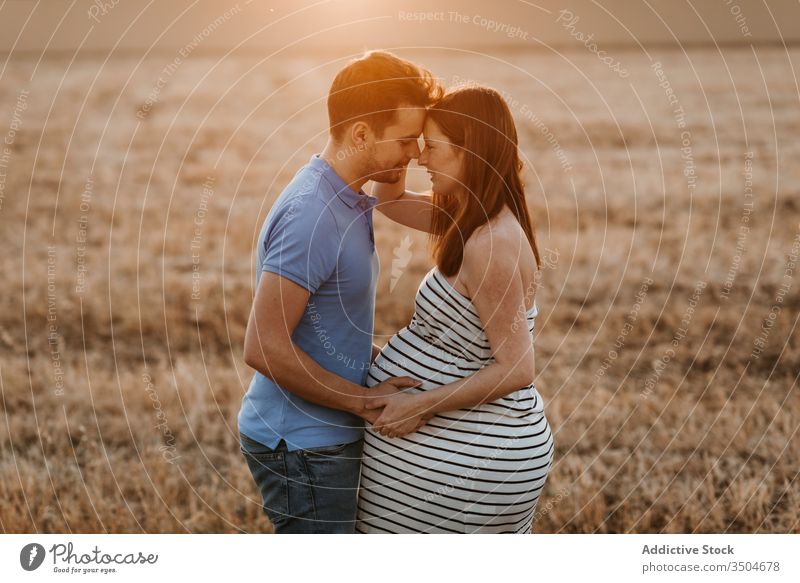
{"x": 478, "y": 122}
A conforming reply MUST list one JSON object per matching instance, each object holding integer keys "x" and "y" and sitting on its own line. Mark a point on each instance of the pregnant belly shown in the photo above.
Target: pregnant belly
{"x": 430, "y": 364}
{"x": 396, "y": 359}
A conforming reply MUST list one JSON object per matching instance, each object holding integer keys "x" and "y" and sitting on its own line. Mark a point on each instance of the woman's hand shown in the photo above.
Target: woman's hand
{"x": 386, "y": 192}
{"x": 402, "y": 414}
{"x": 412, "y": 209}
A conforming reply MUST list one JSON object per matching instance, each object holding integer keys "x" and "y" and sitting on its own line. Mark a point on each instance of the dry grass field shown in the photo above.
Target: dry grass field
{"x": 667, "y": 344}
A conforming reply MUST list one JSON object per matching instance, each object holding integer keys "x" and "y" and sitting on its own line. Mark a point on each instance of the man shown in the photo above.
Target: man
{"x": 309, "y": 336}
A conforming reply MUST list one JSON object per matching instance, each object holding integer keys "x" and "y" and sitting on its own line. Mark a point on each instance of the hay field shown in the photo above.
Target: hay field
{"x": 667, "y": 346}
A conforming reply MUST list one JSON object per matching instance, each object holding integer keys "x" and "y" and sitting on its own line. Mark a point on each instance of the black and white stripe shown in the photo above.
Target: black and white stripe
{"x": 471, "y": 470}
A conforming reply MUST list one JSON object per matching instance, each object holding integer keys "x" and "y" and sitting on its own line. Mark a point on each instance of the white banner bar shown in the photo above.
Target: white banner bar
{"x": 348, "y": 558}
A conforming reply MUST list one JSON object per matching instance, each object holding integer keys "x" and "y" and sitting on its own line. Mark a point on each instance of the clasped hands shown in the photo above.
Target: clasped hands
{"x": 393, "y": 412}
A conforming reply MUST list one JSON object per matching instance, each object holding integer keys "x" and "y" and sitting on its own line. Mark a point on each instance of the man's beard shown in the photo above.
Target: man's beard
{"x": 383, "y": 175}
{"x": 388, "y": 176}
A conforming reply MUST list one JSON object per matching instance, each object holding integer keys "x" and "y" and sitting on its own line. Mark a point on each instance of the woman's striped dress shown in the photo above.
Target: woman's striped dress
{"x": 471, "y": 470}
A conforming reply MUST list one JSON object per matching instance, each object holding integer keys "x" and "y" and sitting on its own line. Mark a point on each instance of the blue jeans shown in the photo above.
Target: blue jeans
{"x": 311, "y": 490}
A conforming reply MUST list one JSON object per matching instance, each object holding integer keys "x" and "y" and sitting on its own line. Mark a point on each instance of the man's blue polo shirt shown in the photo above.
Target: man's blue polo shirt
{"x": 319, "y": 235}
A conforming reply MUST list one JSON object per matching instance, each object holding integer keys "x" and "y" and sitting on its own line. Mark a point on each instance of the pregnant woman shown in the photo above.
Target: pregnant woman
{"x": 470, "y": 449}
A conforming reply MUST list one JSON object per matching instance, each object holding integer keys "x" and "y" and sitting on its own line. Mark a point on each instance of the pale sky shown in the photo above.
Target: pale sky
{"x": 297, "y": 25}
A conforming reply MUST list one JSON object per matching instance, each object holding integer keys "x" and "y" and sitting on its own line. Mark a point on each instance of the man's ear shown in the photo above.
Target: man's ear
{"x": 360, "y": 133}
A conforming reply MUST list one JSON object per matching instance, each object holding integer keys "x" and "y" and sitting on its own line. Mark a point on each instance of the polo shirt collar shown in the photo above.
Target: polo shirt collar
{"x": 350, "y": 197}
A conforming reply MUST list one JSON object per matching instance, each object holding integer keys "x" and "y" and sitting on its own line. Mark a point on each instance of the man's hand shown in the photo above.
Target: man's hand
{"x": 278, "y": 306}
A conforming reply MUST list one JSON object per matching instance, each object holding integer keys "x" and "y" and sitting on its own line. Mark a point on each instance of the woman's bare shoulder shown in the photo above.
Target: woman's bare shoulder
{"x": 503, "y": 234}
{"x": 500, "y": 250}
{"x": 492, "y": 251}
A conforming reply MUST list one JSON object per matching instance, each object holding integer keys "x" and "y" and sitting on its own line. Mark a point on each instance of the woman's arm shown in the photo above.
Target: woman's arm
{"x": 494, "y": 282}
{"x": 411, "y": 209}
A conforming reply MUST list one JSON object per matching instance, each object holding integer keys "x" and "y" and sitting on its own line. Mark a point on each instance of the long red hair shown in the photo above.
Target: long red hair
{"x": 478, "y": 121}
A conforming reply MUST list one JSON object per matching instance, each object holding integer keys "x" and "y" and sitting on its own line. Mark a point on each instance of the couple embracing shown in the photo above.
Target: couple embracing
{"x": 442, "y": 429}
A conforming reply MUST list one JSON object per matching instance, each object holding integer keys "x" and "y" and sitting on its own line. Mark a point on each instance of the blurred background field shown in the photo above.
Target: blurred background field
{"x": 666, "y": 204}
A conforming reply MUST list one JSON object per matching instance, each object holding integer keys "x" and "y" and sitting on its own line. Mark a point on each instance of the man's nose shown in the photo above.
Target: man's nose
{"x": 415, "y": 150}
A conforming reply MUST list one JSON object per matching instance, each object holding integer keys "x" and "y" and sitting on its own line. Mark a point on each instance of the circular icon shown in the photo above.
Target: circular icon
{"x": 31, "y": 556}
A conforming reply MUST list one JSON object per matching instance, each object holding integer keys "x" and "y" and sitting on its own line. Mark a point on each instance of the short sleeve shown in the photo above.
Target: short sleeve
{"x": 303, "y": 244}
